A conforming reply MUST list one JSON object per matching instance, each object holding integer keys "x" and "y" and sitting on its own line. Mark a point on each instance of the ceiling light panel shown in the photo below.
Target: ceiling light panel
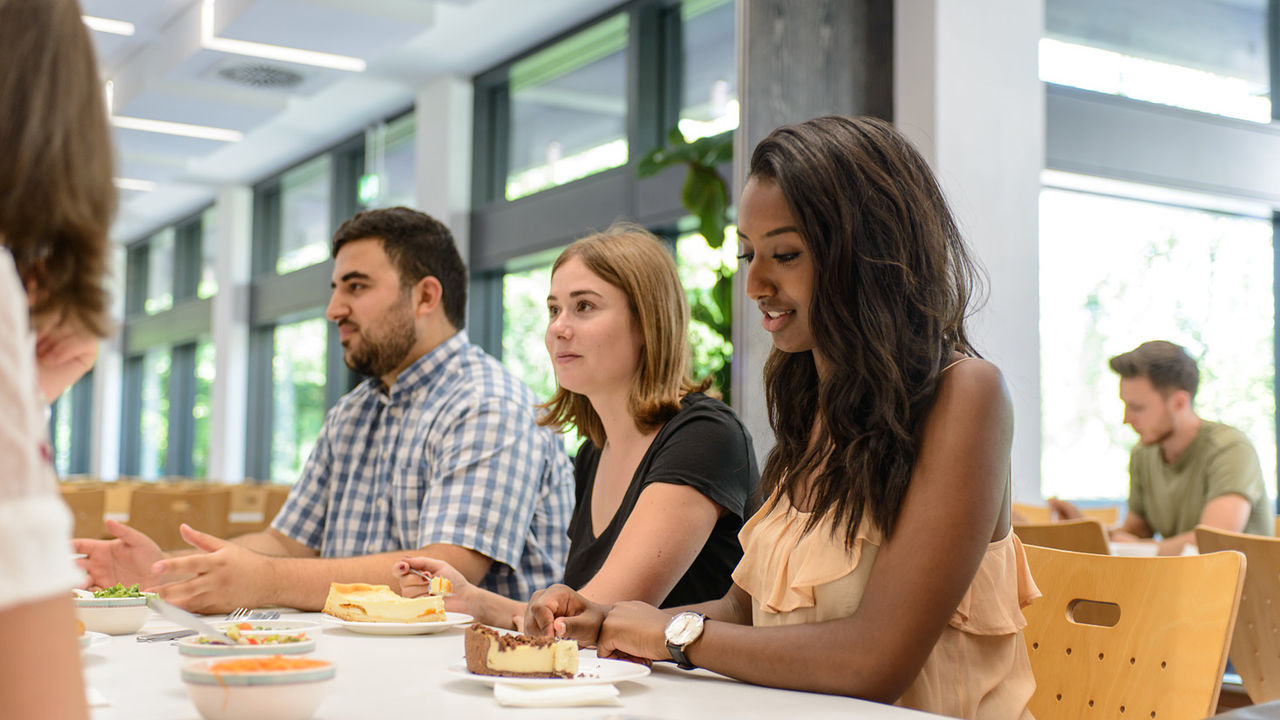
{"x": 210, "y": 41}
{"x": 115, "y": 27}
{"x": 172, "y": 128}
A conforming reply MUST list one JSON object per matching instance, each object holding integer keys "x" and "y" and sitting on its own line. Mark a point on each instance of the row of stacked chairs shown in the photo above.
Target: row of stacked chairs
{"x": 157, "y": 508}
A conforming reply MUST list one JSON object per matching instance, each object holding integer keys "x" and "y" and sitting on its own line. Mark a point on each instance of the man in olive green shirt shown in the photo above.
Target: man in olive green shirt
{"x": 1185, "y": 471}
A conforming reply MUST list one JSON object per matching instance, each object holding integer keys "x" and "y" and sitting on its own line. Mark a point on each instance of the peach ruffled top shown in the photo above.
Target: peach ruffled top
{"x": 979, "y": 667}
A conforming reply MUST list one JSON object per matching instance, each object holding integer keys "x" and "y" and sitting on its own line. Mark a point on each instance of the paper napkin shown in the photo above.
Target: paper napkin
{"x": 563, "y": 696}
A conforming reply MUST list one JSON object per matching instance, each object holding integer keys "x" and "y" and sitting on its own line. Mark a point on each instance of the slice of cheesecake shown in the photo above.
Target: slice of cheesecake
{"x": 492, "y": 653}
{"x": 359, "y": 602}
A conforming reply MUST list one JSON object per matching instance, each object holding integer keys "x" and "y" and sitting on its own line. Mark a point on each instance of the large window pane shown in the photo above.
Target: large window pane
{"x": 60, "y": 433}
{"x": 208, "y": 286}
{"x": 154, "y": 437}
{"x": 206, "y": 369}
{"x": 1117, "y": 272}
{"x": 1206, "y": 55}
{"x": 707, "y": 275}
{"x": 524, "y": 327}
{"x": 304, "y": 216}
{"x": 569, "y": 110}
{"x": 709, "y": 87}
{"x": 298, "y": 379}
{"x": 389, "y": 163}
{"x": 159, "y": 272}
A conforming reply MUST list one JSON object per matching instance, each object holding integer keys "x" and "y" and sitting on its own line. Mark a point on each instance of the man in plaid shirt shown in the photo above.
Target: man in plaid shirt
{"x": 436, "y": 453}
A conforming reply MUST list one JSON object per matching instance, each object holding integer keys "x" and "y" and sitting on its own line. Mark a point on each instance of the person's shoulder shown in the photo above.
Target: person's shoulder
{"x": 483, "y": 376}
{"x": 698, "y": 406}
{"x": 1222, "y": 436}
{"x": 973, "y": 379}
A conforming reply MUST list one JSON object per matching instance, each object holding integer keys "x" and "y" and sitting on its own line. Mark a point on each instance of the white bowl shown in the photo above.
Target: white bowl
{"x": 269, "y": 695}
{"x": 113, "y": 616}
{"x": 193, "y": 647}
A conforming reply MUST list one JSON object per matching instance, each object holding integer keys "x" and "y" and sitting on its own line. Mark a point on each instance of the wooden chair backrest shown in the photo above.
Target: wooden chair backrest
{"x": 1277, "y": 528}
{"x": 1164, "y": 656}
{"x": 118, "y": 493}
{"x": 276, "y": 495}
{"x": 158, "y": 510}
{"x": 246, "y": 498}
{"x": 1255, "y": 647}
{"x": 1082, "y": 535}
{"x": 88, "y": 505}
{"x": 1108, "y": 515}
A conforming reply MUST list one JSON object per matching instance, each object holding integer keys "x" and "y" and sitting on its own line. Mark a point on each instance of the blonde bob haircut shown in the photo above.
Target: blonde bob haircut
{"x": 56, "y": 193}
{"x": 631, "y": 259}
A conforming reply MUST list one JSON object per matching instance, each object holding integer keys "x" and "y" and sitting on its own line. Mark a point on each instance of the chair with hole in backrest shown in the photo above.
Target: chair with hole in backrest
{"x": 1161, "y": 653}
{"x": 1255, "y": 647}
{"x": 158, "y": 510}
{"x": 1083, "y": 535}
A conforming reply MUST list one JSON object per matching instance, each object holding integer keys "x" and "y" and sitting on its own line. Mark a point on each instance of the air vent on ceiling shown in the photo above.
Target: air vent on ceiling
{"x": 263, "y": 76}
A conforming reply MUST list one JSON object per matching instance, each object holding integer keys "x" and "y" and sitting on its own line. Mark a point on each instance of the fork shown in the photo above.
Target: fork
{"x": 247, "y": 614}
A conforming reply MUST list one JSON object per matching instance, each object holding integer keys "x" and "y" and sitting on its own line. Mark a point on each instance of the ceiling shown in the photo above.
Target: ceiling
{"x": 199, "y": 63}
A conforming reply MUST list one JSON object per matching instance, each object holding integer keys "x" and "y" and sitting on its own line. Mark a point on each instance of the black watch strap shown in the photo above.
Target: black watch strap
{"x": 677, "y": 654}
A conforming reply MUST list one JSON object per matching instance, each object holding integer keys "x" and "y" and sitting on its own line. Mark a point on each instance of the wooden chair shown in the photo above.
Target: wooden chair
{"x": 118, "y": 493}
{"x": 1277, "y": 527}
{"x": 276, "y": 495}
{"x": 1255, "y": 647}
{"x": 158, "y": 510}
{"x": 1162, "y": 657}
{"x": 88, "y": 506}
{"x": 247, "y": 499}
{"x": 1108, "y": 516}
{"x": 1083, "y": 535}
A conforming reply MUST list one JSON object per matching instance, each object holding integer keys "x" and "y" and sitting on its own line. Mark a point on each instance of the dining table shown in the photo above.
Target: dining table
{"x": 410, "y": 676}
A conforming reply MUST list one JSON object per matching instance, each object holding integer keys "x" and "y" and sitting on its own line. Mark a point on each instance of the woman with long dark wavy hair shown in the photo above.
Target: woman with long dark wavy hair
{"x": 881, "y": 564}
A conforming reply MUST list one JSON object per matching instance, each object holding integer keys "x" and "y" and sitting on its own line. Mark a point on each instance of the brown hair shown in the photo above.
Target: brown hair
{"x": 892, "y": 284}
{"x": 56, "y": 191}
{"x": 419, "y": 246}
{"x": 1166, "y": 365}
{"x": 631, "y": 259}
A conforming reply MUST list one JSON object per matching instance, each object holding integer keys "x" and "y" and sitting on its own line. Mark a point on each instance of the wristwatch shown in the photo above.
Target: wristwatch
{"x": 681, "y": 632}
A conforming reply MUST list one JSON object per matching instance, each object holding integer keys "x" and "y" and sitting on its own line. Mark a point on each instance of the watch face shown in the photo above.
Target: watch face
{"x": 684, "y": 628}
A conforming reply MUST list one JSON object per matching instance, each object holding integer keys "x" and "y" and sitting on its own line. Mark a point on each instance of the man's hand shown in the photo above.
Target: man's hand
{"x": 1063, "y": 510}
{"x": 633, "y": 629}
{"x": 128, "y": 559}
{"x": 64, "y": 353}
{"x": 414, "y": 586}
{"x": 560, "y": 611}
{"x": 225, "y": 575}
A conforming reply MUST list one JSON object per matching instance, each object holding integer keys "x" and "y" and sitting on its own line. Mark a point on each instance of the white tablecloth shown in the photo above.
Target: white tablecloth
{"x": 405, "y": 677}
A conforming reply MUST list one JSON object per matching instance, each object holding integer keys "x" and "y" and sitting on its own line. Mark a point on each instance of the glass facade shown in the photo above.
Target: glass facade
{"x": 568, "y": 109}
{"x": 298, "y": 395}
{"x": 208, "y": 283}
{"x": 1197, "y": 278}
{"x": 202, "y": 408}
{"x": 159, "y": 272}
{"x": 1204, "y": 55}
{"x": 305, "y": 204}
{"x": 153, "y": 454}
{"x": 709, "y": 82}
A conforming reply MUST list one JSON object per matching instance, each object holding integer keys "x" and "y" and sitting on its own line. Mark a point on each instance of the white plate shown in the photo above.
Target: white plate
{"x": 591, "y": 671}
{"x": 452, "y": 619}
{"x": 91, "y": 639}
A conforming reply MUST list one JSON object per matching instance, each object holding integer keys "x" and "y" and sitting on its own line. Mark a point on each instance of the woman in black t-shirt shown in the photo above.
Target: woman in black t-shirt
{"x": 664, "y": 479}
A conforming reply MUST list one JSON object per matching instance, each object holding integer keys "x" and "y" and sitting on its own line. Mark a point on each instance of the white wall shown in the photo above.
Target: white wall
{"x": 967, "y": 93}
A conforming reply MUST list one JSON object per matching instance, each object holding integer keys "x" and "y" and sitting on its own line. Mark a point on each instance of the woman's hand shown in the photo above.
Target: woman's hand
{"x": 64, "y": 353}
{"x": 412, "y": 585}
{"x": 561, "y": 611}
{"x": 633, "y": 629}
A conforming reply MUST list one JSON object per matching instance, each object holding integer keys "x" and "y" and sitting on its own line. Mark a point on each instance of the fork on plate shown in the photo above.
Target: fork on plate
{"x": 247, "y": 614}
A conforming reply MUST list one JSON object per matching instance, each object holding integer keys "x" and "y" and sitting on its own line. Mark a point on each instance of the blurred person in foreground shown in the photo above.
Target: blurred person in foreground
{"x": 1185, "y": 470}
{"x": 56, "y": 204}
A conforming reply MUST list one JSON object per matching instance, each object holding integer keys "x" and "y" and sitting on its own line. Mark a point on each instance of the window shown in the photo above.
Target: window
{"x": 1203, "y": 55}
{"x": 206, "y": 369}
{"x": 304, "y": 215}
{"x": 389, "y": 161}
{"x": 568, "y": 109}
{"x": 1198, "y": 278}
{"x": 208, "y": 283}
{"x": 153, "y": 455}
{"x": 709, "y": 86}
{"x": 524, "y": 325}
{"x": 707, "y": 276}
{"x": 160, "y": 272}
{"x": 298, "y": 383}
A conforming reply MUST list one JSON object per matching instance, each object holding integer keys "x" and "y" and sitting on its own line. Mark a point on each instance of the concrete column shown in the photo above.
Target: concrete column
{"x": 443, "y": 111}
{"x": 798, "y": 60}
{"x": 230, "y": 330}
{"x": 967, "y": 93}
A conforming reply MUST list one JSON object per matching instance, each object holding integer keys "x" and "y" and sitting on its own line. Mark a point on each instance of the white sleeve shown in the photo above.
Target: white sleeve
{"x": 35, "y": 525}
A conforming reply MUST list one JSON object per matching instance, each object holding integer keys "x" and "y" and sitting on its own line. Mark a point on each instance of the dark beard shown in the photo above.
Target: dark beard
{"x": 383, "y": 353}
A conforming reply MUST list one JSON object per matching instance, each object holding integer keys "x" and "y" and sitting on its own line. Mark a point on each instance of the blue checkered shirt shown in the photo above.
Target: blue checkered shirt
{"x": 450, "y": 454}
